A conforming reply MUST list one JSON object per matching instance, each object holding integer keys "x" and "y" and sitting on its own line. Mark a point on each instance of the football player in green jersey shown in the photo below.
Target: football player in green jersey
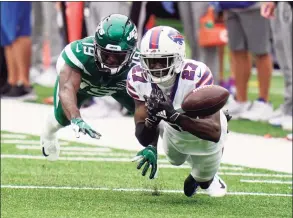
{"x": 93, "y": 66}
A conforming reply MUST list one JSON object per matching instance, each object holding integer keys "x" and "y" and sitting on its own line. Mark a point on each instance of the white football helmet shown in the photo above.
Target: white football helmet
{"x": 162, "y": 51}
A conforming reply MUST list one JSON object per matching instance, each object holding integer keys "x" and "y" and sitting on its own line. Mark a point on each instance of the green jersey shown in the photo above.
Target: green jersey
{"x": 80, "y": 55}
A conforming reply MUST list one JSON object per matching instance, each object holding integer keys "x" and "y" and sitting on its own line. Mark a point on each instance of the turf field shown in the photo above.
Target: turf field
{"x": 90, "y": 181}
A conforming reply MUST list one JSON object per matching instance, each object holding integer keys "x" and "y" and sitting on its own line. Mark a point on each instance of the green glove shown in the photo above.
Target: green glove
{"x": 148, "y": 156}
{"x": 78, "y": 125}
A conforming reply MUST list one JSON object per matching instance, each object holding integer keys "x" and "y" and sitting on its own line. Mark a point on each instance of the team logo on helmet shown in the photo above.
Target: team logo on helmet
{"x": 176, "y": 37}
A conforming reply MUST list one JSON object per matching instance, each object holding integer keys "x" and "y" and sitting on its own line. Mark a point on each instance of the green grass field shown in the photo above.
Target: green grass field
{"x": 90, "y": 181}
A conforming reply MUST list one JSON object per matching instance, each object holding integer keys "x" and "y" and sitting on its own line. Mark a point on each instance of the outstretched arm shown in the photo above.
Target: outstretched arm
{"x": 207, "y": 128}
{"x": 145, "y": 132}
{"x": 69, "y": 83}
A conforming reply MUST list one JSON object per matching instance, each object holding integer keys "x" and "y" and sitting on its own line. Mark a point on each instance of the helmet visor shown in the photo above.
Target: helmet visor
{"x": 112, "y": 59}
{"x": 158, "y": 66}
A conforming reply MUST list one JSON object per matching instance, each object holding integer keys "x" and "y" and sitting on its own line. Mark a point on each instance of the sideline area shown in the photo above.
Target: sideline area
{"x": 118, "y": 132}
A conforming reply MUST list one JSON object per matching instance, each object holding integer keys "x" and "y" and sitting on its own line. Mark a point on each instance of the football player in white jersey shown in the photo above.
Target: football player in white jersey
{"x": 159, "y": 85}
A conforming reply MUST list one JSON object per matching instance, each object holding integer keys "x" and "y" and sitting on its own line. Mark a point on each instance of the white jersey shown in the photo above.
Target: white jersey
{"x": 194, "y": 74}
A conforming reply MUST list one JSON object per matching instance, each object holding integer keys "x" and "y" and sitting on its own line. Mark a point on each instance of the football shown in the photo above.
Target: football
{"x": 205, "y": 101}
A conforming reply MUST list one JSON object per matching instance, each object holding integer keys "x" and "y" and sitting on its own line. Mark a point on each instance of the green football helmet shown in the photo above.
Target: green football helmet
{"x": 115, "y": 43}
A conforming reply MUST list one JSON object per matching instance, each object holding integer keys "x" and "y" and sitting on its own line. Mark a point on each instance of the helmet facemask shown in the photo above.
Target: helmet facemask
{"x": 114, "y": 60}
{"x": 161, "y": 69}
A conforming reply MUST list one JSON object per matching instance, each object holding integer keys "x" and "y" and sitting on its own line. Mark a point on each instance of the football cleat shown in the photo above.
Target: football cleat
{"x": 218, "y": 188}
{"x": 190, "y": 186}
{"x": 50, "y": 148}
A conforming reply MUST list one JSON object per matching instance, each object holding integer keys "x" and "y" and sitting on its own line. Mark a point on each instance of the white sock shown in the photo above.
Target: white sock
{"x": 51, "y": 126}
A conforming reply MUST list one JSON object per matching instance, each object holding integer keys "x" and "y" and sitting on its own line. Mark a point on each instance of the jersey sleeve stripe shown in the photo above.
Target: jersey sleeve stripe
{"x": 206, "y": 74}
{"x": 74, "y": 59}
{"x": 209, "y": 81}
{"x": 206, "y": 80}
{"x": 132, "y": 94}
{"x": 130, "y": 87}
{"x": 131, "y": 91}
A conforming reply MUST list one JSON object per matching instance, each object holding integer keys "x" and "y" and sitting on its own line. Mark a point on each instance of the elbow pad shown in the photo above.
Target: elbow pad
{"x": 144, "y": 134}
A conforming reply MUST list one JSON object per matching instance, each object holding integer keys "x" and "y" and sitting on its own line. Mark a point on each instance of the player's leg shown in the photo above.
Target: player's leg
{"x": 205, "y": 167}
{"x": 204, "y": 174}
{"x": 49, "y": 141}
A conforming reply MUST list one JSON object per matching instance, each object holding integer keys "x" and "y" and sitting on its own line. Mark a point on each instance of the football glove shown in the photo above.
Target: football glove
{"x": 167, "y": 111}
{"x": 149, "y": 156}
{"x": 152, "y": 104}
{"x": 78, "y": 125}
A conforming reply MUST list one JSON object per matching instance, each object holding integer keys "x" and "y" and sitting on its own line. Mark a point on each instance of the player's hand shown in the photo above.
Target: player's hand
{"x": 149, "y": 156}
{"x": 78, "y": 125}
{"x": 170, "y": 114}
{"x": 267, "y": 9}
{"x": 152, "y": 104}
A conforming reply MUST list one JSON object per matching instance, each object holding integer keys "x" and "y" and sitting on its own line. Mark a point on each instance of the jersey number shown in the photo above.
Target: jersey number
{"x": 88, "y": 50}
{"x": 135, "y": 77}
{"x": 189, "y": 71}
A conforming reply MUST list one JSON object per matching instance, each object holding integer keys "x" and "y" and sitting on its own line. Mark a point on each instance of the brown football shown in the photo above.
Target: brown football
{"x": 205, "y": 101}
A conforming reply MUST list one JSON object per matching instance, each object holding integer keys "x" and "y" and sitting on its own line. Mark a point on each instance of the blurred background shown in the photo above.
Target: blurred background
{"x": 242, "y": 49}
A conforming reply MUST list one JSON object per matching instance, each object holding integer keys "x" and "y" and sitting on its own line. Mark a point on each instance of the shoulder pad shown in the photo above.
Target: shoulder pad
{"x": 136, "y": 83}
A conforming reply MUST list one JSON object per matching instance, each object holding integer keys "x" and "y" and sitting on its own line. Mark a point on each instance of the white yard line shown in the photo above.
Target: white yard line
{"x": 26, "y": 142}
{"x": 96, "y": 159}
{"x": 232, "y": 168}
{"x": 13, "y": 136}
{"x": 67, "y": 148}
{"x": 255, "y": 175}
{"x": 108, "y": 154}
{"x": 267, "y": 181}
{"x": 185, "y": 166}
{"x": 135, "y": 190}
{"x": 111, "y": 159}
